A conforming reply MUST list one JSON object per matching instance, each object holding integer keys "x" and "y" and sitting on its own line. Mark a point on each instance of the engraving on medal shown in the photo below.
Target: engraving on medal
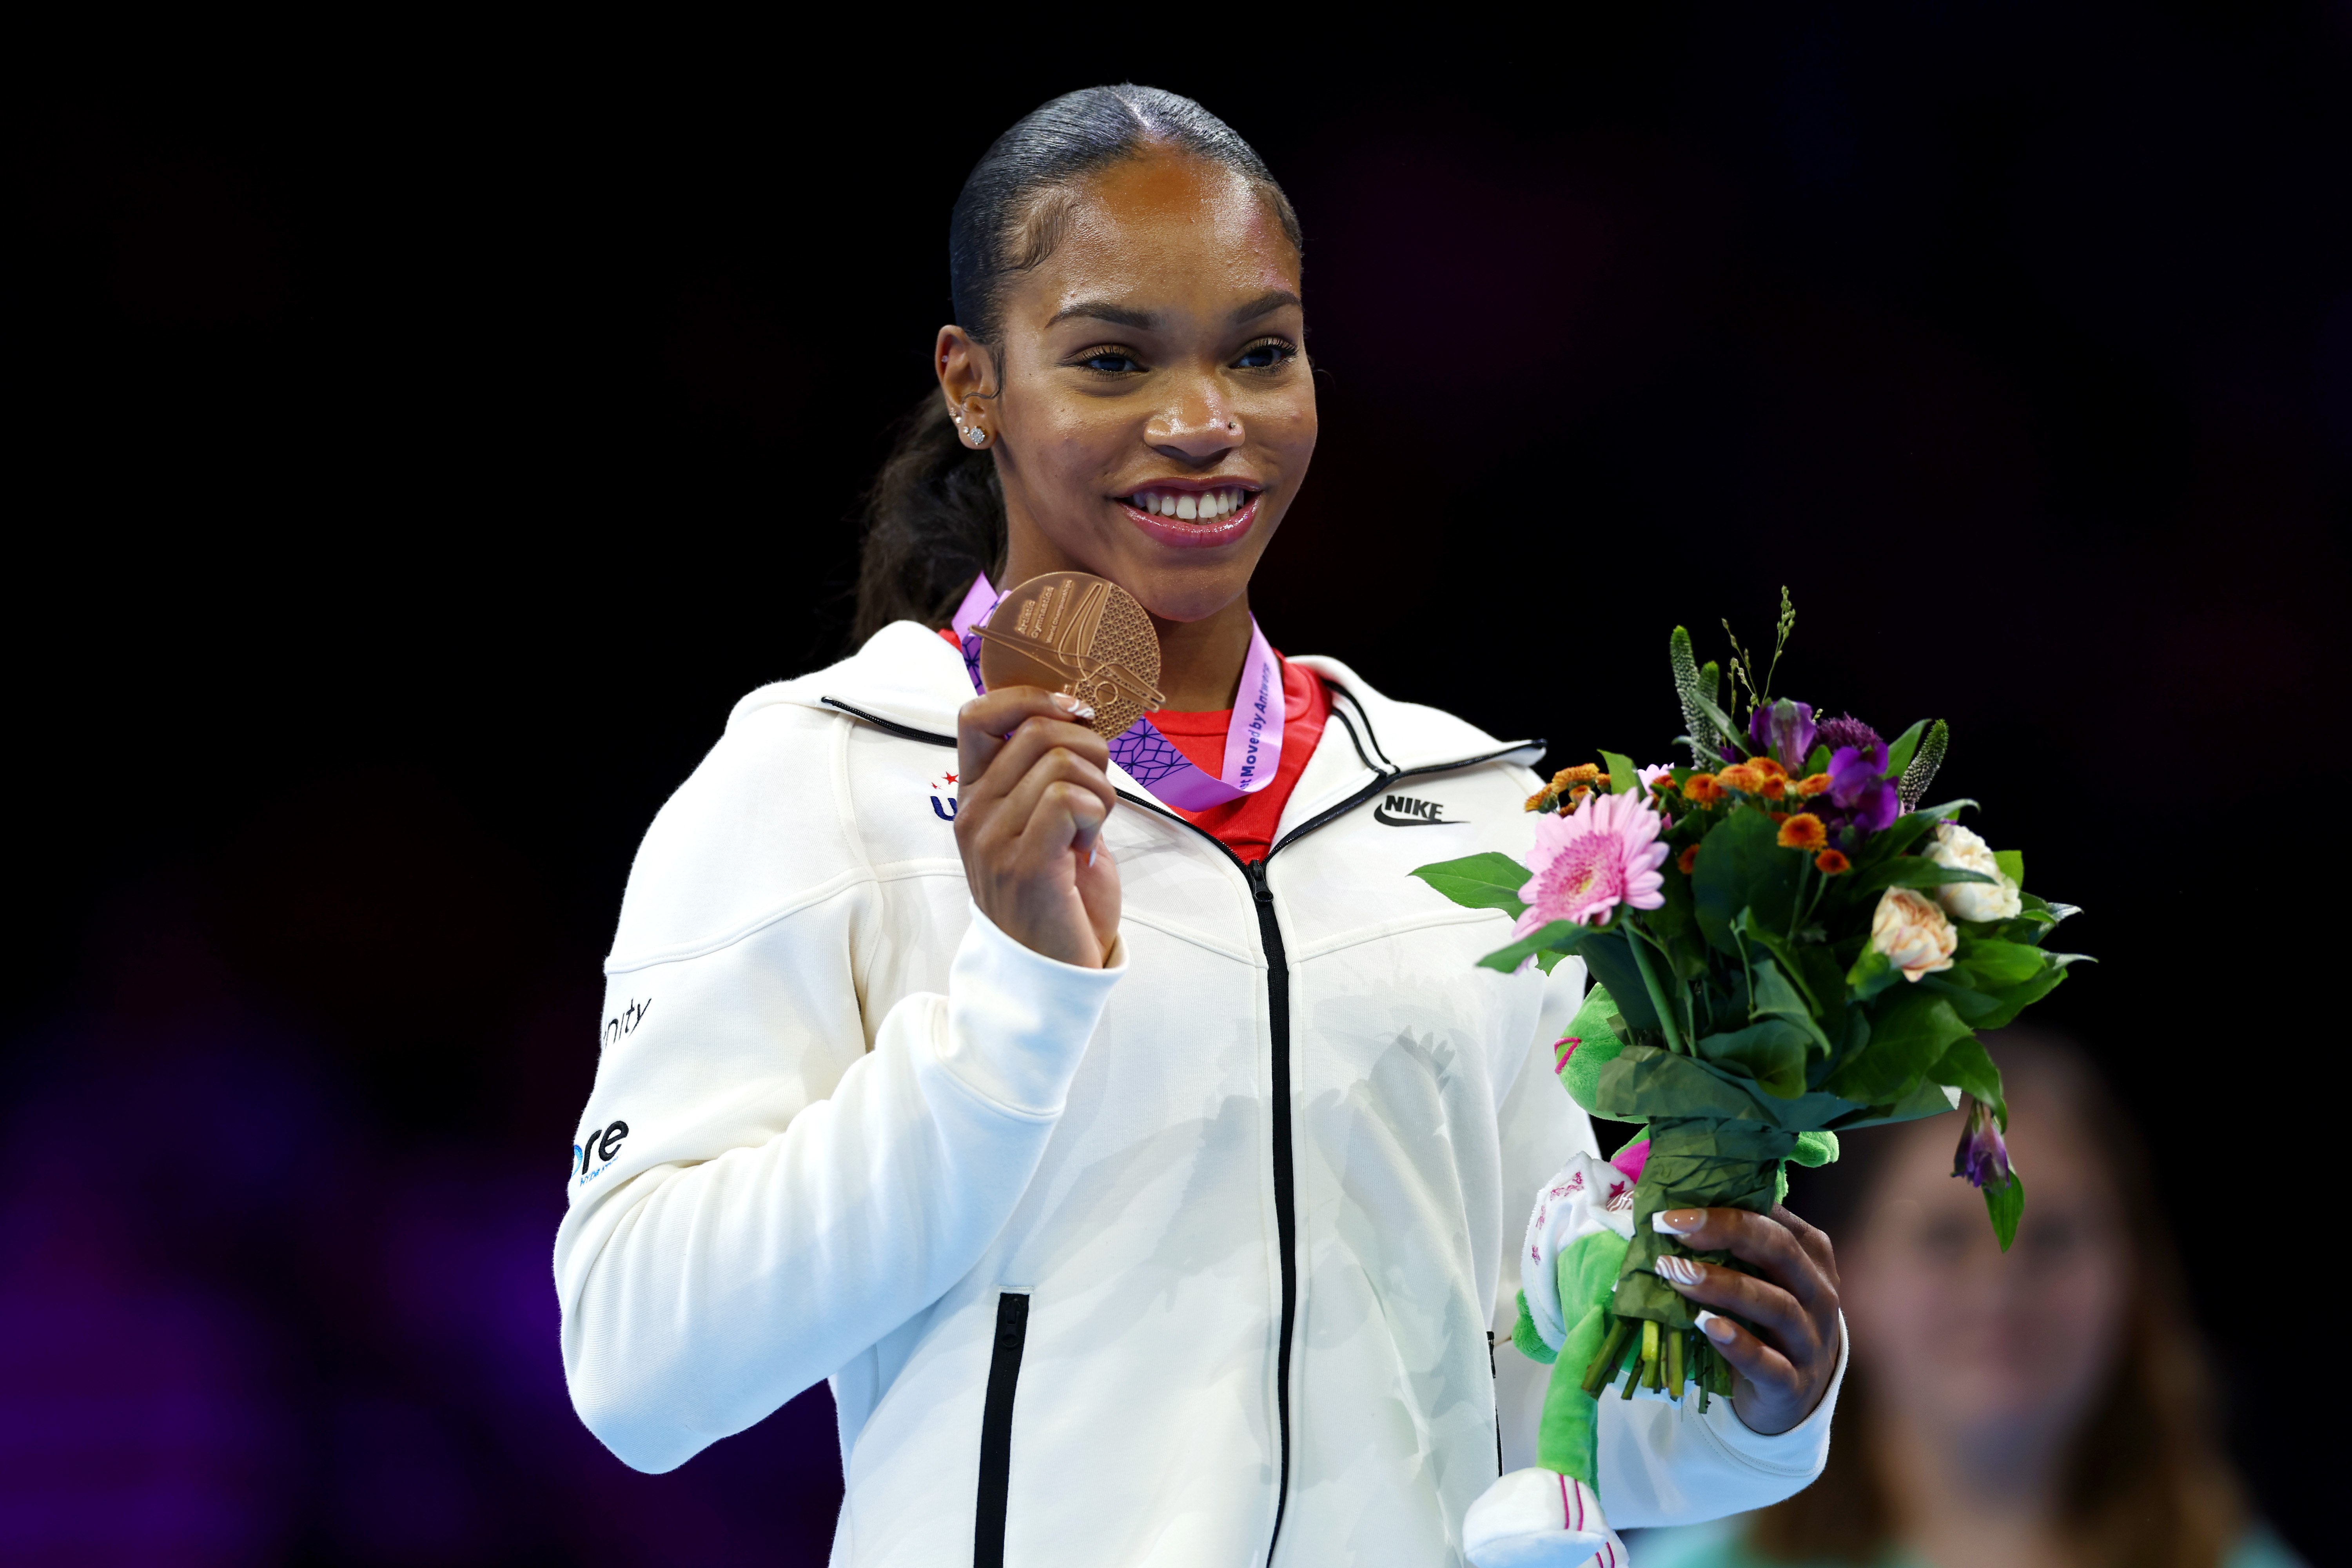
{"x": 1085, "y": 636}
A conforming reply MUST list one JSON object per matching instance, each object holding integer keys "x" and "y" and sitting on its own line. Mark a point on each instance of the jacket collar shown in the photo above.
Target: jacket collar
{"x": 909, "y": 678}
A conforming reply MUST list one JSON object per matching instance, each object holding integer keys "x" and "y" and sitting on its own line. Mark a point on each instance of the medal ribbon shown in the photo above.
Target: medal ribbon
{"x": 1252, "y": 738}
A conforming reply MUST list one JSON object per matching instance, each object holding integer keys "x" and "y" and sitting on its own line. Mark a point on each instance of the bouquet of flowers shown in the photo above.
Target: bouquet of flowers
{"x": 1787, "y": 945}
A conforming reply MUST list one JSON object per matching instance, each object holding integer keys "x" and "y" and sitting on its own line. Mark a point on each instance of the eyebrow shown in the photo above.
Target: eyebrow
{"x": 1145, "y": 320}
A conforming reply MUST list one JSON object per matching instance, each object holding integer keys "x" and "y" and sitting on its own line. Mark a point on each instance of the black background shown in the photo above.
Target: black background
{"x": 420, "y": 444}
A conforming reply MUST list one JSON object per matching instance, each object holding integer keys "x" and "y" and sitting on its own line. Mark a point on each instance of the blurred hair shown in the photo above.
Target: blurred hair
{"x": 2146, "y": 1484}
{"x": 935, "y": 516}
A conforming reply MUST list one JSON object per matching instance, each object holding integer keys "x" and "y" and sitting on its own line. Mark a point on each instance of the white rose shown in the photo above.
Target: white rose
{"x": 1962, "y": 850}
{"x": 1913, "y": 933}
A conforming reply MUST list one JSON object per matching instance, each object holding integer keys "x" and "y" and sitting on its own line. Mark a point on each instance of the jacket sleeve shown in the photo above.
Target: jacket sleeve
{"x": 756, "y": 1195}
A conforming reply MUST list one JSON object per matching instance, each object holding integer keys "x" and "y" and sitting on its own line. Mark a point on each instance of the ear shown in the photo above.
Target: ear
{"x": 966, "y": 370}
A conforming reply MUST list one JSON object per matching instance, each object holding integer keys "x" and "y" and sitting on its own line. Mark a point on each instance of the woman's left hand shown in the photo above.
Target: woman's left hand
{"x": 1781, "y": 1372}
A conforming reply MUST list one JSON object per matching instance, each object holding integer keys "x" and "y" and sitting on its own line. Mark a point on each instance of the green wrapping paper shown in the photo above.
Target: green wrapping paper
{"x": 1694, "y": 1163}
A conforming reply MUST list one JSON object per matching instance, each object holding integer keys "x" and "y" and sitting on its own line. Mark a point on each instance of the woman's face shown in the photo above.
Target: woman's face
{"x": 1154, "y": 413}
{"x": 1991, "y": 1351}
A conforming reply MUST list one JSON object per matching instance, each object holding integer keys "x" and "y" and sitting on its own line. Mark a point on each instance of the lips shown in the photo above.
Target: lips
{"x": 1192, "y": 518}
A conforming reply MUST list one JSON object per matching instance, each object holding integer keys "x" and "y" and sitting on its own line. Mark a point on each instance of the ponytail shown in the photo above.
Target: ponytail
{"x": 934, "y": 521}
{"x": 935, "y": 518}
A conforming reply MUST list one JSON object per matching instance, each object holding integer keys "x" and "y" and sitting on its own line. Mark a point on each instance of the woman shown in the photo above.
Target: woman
{"x": 2045, "y": 1407}
{"x": 1144, "y": 1176}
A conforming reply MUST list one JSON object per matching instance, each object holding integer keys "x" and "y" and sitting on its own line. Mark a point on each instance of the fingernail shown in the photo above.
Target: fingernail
{"x": 1092, "y": 850}
{"x": 1677, "y": 1222}
{"x": 1677, "y": 1271}
{"x": 1714, "y": 1326}
{"x": 1083, "y": 710}
{"x": 1064, "y": 702}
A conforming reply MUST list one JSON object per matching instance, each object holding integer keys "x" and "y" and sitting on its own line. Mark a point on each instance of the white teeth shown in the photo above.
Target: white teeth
{"x": 1168, "y": 506}
{"x": 1188, "y": 508}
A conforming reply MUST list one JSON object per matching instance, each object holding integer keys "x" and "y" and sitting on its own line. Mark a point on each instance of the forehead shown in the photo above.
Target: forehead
{"x": 1163, "y": 232}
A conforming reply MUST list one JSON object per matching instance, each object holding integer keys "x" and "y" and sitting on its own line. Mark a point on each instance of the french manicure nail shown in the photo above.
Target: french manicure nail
{"x": 1064, "y": 702}
{"x": 1083, "y": 710}
{"x": 1714, "y": 1326}
{"x": 1678, "y": 1270}
{"x": 1677, "y": 1222}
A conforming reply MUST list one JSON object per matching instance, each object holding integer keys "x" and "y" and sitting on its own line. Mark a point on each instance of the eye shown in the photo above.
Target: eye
{"x": 1266, "y": 353}
{"x": 1109, "y": 359}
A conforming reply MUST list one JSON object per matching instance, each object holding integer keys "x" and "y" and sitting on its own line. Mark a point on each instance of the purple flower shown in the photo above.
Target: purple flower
{"x": 1849, "y": 731}
{"x": 1785, "y": 729}
{"x": 1981, "y": 1157}
{"x": 1859, "y": 797}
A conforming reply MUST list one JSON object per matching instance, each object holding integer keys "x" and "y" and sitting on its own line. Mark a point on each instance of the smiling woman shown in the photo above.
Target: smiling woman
{"x": 1135, "y": 1149}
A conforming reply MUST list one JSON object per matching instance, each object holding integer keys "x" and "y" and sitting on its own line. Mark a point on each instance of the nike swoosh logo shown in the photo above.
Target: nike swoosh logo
{"x": 1380, "y": 813}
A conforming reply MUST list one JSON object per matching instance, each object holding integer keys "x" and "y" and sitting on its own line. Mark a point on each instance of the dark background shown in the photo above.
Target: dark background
{"x": 420, "y": 443}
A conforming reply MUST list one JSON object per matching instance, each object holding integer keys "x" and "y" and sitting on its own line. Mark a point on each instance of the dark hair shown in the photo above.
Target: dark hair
{"x": 935, "y": 518}
{"x": 2143, "y": 1482}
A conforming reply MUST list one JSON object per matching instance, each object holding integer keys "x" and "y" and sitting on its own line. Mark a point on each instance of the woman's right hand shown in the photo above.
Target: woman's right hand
{"x": 1032, "y": 797}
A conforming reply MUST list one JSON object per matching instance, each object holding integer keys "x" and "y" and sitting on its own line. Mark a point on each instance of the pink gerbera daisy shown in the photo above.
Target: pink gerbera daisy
{"x": 1585, "y": 865}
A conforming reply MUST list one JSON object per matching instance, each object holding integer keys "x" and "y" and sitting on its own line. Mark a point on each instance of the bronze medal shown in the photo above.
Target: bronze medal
{"x": 1083, "y": 635}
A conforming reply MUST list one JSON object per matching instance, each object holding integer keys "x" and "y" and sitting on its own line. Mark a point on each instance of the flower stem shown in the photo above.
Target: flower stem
{"x": 1634, "y": 938}
{"x": 1612, "y": 1351}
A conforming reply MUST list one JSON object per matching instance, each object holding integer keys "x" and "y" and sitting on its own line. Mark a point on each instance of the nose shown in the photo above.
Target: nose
{"x": 1198, "y": 428}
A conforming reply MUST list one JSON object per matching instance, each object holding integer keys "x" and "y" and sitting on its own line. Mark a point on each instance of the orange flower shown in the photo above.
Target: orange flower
{"x": 1703, "y": 788}
{"x": 1769, "y": 766}
{"x": 1774, "y": 788}
{"x": 1689, "y": 859}
{"x": 1813, "y": 784}
{"x": 1804, "y": 831}
{"x": 1540, "y": 801}
{"x": 1778, "y": 818}
{"x": 1741, "y": 777}
{"x": 1583, "y": 772}
{"x": 1831, "y": 862}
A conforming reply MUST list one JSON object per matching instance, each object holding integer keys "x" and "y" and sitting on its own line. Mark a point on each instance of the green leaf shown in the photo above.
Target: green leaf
{"x": 2012, "y": 865}
{"x": 1909, "y": 1031}
{"x": 1911, "y": 871}
{"x": 1611, "y": 962}
{"x": 1560, "y": 936}
{"x": 1487, "y": 881}
{"x": 2006, "y": 1204}
{"x": 1775, "y": 997}
{"x": 1872, "y": 974}
{"x": 1771, "y": 1052}
{"x": 1997, "y": 966}
{"x": 1967, "y": 1068}
{"x": 1948, "y": 812}
{"x": 1818, "y": 762}
{"x": 1898, "y": 752}
{"x": 1742, "y": 865}
{"x": 1623, "y": 778}
{"x": 2018, "y": 998}
{"x": 1722, "y": 722}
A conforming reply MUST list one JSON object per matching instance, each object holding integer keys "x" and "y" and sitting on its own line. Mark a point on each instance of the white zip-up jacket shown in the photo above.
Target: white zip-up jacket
{"x": 1192, "y": 1259}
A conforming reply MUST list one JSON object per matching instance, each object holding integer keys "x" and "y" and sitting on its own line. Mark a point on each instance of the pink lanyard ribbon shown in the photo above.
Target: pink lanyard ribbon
{"x": 1252, "y": 738}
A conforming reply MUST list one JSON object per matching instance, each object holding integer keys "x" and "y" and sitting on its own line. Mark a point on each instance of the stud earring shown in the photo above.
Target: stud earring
{"x": 979, "y": 436}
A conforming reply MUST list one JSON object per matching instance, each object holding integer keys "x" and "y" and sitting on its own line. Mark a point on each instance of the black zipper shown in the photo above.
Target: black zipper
{"x": 1277, "y": 1008}
{"x": 996, "y": 1430}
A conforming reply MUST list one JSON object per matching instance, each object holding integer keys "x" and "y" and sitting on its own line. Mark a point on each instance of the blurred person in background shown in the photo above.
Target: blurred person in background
{"x": 2046, "y": 1407}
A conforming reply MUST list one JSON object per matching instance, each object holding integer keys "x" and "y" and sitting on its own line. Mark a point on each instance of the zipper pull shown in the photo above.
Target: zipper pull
{"x": 1258, "y": 889}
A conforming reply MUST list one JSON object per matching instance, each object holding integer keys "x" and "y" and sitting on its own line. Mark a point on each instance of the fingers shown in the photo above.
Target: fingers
{"x": 1759, "y": 1301}
{"x": 1815, "y": 1241}
{"x": 984, "y": 724}
{"x": 1750, "y": 1357}
{"x": 1033, "y": 765}
{"x": 1765, "y": 1241}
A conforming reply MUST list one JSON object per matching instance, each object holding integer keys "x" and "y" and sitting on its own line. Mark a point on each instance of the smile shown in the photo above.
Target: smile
{"x": 1193, "y": 518}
